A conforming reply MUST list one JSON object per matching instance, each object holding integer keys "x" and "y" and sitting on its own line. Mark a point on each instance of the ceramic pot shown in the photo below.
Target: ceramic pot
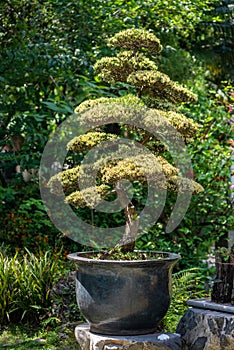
{"x": 123, "y": 297}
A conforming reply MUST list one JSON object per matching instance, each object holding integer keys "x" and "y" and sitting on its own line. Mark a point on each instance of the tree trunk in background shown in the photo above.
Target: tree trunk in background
{"x": 223, "y": 288}
{"x": 222, "y": 242}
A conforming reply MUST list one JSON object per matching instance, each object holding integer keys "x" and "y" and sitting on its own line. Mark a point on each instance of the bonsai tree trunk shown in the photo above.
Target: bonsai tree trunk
{"x": 127, "y": 242}
{"x": 223, "y": 288}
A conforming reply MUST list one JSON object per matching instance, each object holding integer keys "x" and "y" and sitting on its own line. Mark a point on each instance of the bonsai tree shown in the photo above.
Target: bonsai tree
{"x": 152, "y": 94}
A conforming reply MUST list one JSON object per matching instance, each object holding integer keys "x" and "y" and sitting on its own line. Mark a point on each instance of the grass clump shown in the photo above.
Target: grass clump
{"x": 25, "y": 285}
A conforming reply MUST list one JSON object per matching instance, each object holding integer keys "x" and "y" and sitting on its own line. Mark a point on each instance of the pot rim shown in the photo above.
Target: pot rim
{"x": 77, "y": 257}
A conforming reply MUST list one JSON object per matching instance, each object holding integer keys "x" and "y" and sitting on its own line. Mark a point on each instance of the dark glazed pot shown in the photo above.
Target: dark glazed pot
{"x": 123, "y": 297}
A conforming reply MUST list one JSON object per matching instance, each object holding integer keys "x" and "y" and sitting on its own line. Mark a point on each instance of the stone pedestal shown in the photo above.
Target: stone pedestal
{"x": 155, "y": 341}
{"x": 207, "y": 304}
{"x": 202, "y": 329}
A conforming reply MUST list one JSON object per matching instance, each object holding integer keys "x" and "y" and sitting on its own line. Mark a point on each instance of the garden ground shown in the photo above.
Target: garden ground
{"x": 24, "y": 337}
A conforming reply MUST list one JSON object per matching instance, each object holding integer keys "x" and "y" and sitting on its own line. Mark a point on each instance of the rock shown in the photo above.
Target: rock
{"x": 202, "y": 329}
{"x": 40, "y": 341}
{"x": 155, "y": 341}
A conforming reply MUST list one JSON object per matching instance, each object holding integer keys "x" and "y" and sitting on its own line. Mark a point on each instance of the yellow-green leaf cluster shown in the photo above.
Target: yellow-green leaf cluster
{"x": 126, "y": 100}
{"x": 162, "y": 120}
{"x": 64, "y": 181}
{"x": 184, "y": 185}
{"x": 139, "y": 168}
{"x": 87, "y": 141}
{"x": 113, "y": 69}
{"x": 135, "y": 39}
{"x": 129, "y": 111}
{"x": 89, "y": 197}
{"x": 157, "y": 84}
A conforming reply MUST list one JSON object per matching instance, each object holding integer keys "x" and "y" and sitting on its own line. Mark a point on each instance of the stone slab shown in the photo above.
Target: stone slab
{"x": 155, "y": 341}
{"x": 202, "y": 329}
{"x": 207, "y": 304}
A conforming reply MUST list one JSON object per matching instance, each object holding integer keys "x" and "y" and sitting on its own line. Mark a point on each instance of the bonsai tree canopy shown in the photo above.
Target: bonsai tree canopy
{"x": 156, "y": 97}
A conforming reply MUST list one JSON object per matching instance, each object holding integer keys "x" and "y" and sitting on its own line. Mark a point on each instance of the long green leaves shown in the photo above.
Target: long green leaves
{"x": 8, "y": 288}
{"x": 25, "y": 285}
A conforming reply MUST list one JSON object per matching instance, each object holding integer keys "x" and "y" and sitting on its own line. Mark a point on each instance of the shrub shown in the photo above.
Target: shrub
{"x": 25, "y": 285}
{"x": 24, "y": 221}
{"x": 187, "y": 284}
